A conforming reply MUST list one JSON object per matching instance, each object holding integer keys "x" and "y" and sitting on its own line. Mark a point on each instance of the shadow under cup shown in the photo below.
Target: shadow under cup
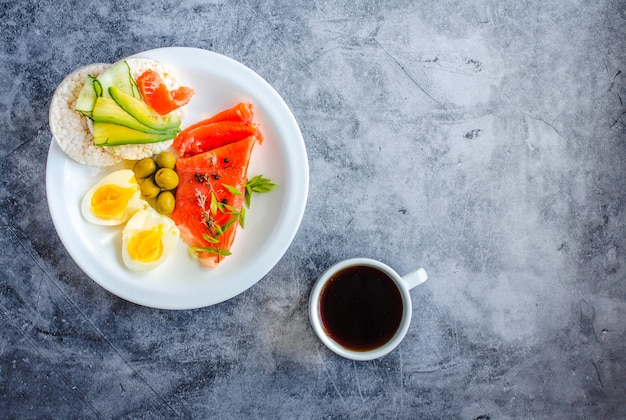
{"x": 361, "y": 308}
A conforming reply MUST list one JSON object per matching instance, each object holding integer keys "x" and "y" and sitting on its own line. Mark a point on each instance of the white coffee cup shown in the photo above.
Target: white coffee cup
{"x": 386, "y": 282}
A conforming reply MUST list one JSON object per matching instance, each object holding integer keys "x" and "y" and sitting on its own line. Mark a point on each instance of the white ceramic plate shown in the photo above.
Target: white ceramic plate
{"x": 271, "y": 222}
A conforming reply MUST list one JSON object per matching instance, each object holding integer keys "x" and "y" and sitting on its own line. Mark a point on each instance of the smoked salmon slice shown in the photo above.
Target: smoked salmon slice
{"x": 210, "y": 199}
{"x": 211, "y": 136}
{"x": 225, "y": 127}
{"x": 158, "y": 97}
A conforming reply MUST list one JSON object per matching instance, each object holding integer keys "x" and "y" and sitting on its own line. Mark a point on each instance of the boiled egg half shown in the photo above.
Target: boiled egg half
{"x": 113, "y": 199}
{"x": 148, "y": 239}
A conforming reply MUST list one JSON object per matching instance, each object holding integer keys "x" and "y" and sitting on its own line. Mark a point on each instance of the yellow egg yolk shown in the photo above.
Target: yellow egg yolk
{"x": 146, "y": 246}
{"x": 109, "y": 202}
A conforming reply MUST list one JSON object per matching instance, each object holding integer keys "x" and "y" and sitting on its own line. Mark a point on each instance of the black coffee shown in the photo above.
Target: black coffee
{"x": 361, "y": 308}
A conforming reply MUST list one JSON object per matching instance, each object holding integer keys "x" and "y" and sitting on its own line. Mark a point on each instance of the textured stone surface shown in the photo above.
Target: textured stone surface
{"x": 482, "y": 140}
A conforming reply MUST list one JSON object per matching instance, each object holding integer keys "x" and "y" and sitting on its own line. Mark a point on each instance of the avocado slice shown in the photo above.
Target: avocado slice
{"x": 142, "y": 112}
{"x": 109, "y": 134}
{"x": 108, "y": 111}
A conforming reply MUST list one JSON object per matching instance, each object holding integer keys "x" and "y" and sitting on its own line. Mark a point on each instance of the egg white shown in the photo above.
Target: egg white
{"x": 146, "y": 219}
{"x": 124, "y": 178}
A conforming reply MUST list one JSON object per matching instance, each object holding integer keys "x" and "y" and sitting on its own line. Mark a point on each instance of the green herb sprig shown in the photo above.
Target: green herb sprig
{"x": 258, "y": 184}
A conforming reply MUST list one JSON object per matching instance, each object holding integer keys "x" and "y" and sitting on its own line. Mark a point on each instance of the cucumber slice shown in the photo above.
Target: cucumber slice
{"x": 142, "y": 112}
{"x": 136, "y": 91}
{"x": 107, "y": 110}
{"x": 107, "y": 134}
{"x": 117, "y": 75}
{"x": 86, "y": 98}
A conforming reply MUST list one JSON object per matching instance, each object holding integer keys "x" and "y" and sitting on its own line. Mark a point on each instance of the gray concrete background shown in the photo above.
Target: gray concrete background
{"x": 483, "y": 140}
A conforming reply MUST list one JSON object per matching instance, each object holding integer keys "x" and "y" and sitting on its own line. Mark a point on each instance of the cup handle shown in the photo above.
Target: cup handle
{"x": 415, "y": 278}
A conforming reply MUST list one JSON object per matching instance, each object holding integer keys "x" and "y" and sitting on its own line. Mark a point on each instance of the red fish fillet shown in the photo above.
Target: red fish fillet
{"x": 216, "y": 173}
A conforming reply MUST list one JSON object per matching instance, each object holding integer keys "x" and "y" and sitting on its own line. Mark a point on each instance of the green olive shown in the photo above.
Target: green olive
{"x": 165, "y": 202}
{"x": 166, "y": 178}
{"x": 166, "y": 160}
{"x": 149, "y": 189}
{"x": 151, "y": 202}
{"x": 144, "y": 168}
